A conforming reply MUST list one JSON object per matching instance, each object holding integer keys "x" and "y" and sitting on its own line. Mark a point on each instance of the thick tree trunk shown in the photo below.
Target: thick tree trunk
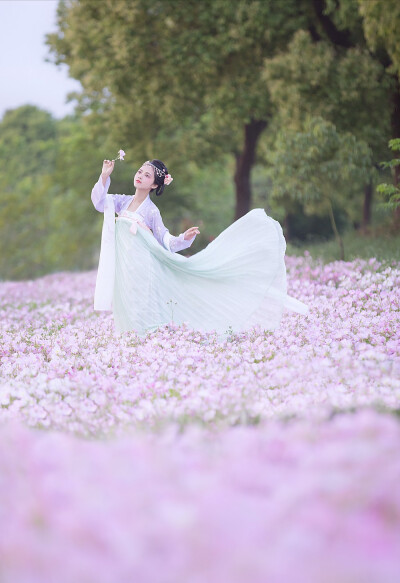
{"x": 368, "y": 192}
{"x": 244, "y": 163}
{"x": 396, "y": 134}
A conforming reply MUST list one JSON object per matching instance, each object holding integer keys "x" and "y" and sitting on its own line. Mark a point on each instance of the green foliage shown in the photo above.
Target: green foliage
{"x": 383, "y": 247}
{"x": 345, "y": 16}
{"x": 28, "y": 153}
{"x": 47, "y": 220}
{"x": 341, "y": 83}
{"x": 75, "y": 226}
{"x": 186, "y": 69}
{"x": 381, "y": 28}
{"x": 391, "y": 192}
{"x": 319, "y": 166}
{"x": 208, "y": 196}
{"x": 318, "y": 162}
{"x": 182, "y": 78}
{"x": 178, "y": 81}
{"x": 348, "y": 88}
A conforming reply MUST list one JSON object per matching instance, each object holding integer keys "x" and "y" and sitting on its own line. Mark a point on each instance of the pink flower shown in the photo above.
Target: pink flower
{"x": 121, "y": 155}
{"x": 168, "y": 179}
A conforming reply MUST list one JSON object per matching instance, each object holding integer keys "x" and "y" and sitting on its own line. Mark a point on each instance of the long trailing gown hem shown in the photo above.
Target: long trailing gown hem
{"x": 238, "y": 281}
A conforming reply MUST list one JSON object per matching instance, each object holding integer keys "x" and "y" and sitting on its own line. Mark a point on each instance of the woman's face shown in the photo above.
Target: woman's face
{"x": 144, "y": 178}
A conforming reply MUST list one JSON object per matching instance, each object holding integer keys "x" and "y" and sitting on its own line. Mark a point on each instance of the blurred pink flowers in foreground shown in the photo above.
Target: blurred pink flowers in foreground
{"x": 295, "y": 502}
{"x": 268, "y": 457}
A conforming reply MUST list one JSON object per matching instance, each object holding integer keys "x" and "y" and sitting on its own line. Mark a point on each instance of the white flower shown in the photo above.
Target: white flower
{"x": 121, "y": 155}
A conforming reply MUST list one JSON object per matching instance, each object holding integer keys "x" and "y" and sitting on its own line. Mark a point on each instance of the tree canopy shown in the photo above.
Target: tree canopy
{"x": 307, "y": 89}
{"x": 199, "y": 81}
{"x": 187, "y": 73}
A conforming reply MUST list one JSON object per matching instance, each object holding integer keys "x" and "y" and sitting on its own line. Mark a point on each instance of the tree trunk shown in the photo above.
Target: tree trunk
{"x": 244, "y": 163}
{"x": 335, "y": 230}
{"x": 340, "y": 38}
{"x": 287, "y": 227}
{"x": 396, "y": 134}
{"x": 368, "y": 192}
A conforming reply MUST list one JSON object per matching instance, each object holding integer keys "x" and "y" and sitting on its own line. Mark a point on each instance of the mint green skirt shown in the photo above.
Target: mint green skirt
{"x": 238, "y": 281}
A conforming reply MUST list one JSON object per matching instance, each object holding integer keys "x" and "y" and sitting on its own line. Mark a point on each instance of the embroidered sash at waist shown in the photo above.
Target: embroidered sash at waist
{"x": 133, "y": 218}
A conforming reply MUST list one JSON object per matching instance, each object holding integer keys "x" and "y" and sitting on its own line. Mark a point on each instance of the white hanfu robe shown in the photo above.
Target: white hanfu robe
{"x": 238, "y": 281}
{"x": 148, "y": 213}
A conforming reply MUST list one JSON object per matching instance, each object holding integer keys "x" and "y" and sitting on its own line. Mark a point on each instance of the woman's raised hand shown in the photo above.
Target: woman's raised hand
{"x": 190, "y": 233}
{"x": 108, "y": 167}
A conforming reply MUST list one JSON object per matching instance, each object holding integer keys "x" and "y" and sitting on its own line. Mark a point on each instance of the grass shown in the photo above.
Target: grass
{"x": 382, "y": 246}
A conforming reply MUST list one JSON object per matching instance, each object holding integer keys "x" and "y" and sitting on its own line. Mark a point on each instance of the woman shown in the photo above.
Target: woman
{"x": 236, "y": 282}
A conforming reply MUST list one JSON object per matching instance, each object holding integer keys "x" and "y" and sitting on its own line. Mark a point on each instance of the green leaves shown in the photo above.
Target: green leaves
{"x": 47, "y": 220}
{"x": 381, "y": 28}
{"x": 391, "y": 192}
{"x": 348, "y": 88}
{"x": 318, "y": 161}
{"x": 173, "y": 64}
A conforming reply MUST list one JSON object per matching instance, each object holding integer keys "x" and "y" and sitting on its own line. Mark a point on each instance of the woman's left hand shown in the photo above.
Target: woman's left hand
{"x": 190, "y": 233}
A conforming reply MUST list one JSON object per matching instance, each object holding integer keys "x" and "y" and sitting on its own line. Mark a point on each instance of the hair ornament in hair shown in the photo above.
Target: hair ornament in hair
{"x": 158, "y": 171}
{"x": 168, "y": 179}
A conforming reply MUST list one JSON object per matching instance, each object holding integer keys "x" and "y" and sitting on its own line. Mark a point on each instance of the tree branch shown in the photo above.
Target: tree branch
{"x": 338, "y": 37}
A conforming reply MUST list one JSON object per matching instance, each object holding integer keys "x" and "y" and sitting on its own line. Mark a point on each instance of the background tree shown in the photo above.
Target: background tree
{"x": 391, "y": 192}
{"x": 381, "y": 22}
{"x": 320, "y": 167}
{"x": 28, "y": 154}
{"x": 47, "y": 220}
{"x": 345, "y": 86}
{"x": 213, "y": 88}
{"x": 186, "y": 69}
{"x": 381, "y": 27}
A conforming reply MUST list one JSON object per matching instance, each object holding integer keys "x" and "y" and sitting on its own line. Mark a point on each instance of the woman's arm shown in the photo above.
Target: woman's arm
{"x": 164, "y": 237}
{"x": 99, "y": 193}
{"x": 106, "y": 171}
{"x": 100, "y": 189}
{"x": 183, "y": 241}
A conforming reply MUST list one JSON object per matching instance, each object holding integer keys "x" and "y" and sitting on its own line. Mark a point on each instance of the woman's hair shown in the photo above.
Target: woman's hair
{"x": 159, "y": 180}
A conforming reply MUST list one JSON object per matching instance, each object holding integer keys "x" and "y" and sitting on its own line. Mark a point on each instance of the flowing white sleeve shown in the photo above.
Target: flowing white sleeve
{"x": 175, "y": 244}
{"x": 164, "y": 237}
{"x": 100, "y": 193}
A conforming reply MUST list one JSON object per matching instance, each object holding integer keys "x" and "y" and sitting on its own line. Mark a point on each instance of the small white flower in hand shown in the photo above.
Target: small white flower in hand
{"x": 121, "y": 155}
{"x": 168, "y": 179}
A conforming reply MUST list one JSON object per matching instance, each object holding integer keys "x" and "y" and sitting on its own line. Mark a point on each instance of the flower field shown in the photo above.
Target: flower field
{"x": 268, "y": 457}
